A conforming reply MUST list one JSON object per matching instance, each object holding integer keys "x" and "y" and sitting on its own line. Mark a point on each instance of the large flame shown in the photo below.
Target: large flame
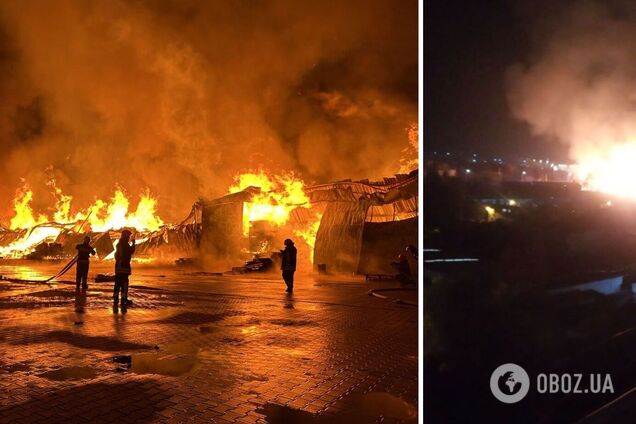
{"x": 100, "y": 216}
{"x": 24, "y": 217}
{"x": 278, "y": 196}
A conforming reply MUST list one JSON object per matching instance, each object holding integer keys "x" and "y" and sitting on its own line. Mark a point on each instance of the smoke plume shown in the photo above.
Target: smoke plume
{"x": 179, "y": 96}
{"x": 580, "y": 87}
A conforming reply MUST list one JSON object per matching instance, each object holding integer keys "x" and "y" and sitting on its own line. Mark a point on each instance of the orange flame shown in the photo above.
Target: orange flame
{"x": 101, "y": 216}
{"x": 279, "y": 195}
{"x": 24, "y": 217}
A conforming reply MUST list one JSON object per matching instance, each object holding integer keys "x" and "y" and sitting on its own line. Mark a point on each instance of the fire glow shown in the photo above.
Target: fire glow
{"x": 613, "y": 172}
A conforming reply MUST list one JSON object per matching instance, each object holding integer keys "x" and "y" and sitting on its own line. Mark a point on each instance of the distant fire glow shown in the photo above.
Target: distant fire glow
{"x": 611, "y": 173}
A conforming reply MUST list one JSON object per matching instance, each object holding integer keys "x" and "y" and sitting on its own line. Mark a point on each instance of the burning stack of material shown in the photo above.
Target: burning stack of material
{"x": 255, "y": 264}
{"x": 46, "y": 251}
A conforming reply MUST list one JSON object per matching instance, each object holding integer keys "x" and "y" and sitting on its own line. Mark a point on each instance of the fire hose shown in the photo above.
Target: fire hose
{"x": 64, "y": 270}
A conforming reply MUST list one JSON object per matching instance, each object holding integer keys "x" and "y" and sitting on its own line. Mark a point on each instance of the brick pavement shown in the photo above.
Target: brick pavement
{"x": 206, "y": 348}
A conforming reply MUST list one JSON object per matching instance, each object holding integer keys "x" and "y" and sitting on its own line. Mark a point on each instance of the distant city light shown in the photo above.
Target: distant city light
{"x": 523, "y": 172}
{"x": 468, "y": 171}
{"x": 452, "y": 260}
{"x": 512, "y": 202}
{"x": 490, "y": 211}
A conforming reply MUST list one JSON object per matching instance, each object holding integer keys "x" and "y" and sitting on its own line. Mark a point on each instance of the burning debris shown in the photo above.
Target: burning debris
{"x": 27, "y": 230}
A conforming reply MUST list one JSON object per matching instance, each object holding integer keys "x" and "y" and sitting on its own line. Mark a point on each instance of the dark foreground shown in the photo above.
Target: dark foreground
{"x": 197, "y": 347}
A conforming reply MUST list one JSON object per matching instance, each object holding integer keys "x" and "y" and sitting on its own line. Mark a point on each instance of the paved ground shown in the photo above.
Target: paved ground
{"x": 197, "y": 347}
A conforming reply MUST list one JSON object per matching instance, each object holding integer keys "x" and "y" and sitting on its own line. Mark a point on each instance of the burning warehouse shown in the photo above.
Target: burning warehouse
{"x": 346, "y": 226}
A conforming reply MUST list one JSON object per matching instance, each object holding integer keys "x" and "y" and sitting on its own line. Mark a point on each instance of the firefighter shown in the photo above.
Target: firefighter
{"x": 123, "y": 256}
{"x": 288, "y": 264}
{"x": 84, "y": 251}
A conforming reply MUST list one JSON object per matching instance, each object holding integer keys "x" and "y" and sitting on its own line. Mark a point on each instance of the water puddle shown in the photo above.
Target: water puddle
{"x": 367, "y": 408}
{"x": 69, "y": 373}
{"x": 79, "y": 340}
{"x": 54, "y": 293}
{"x": 279, "y": 414}
{"x": 196, "y": 318}
{"x": 172, "y": 360}
{"x": 254, "y": 377}
{"x": 292, "y": 323}
{"x": 252, "y": 329}
{"x": 15, "y": 367}
{"x": 232, "y": 341}
{"x": 385, "y": 404}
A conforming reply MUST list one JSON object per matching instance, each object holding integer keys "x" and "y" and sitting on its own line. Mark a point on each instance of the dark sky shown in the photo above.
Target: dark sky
{"x": 468, "y": 47}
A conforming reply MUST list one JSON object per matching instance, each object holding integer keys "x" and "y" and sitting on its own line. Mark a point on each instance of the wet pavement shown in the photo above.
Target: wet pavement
{"x": 203, "y": 347}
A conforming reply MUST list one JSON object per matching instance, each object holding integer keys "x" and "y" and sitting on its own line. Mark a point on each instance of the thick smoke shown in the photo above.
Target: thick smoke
{"x": 179, "y": 96}
{"x": 581, "y": 87}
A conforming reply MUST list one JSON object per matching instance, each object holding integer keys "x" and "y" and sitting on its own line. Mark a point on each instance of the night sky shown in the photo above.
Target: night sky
{"x": 468, "y": 48}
